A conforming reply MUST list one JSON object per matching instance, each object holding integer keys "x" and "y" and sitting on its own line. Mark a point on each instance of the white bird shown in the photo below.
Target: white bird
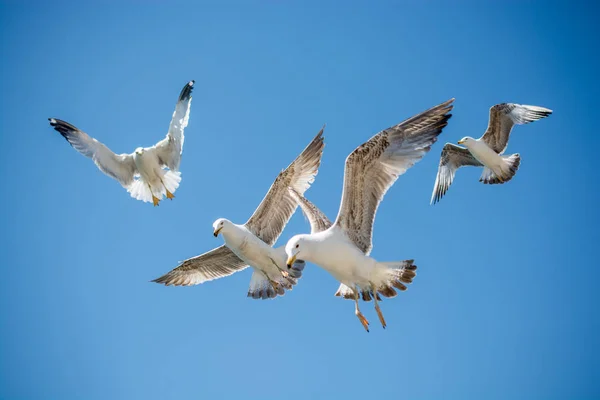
{"x": 142, "y": 172}
{"x": 487, "y": 151}
{"x": 250, "y": 244}
{"x": 343, "y": 249}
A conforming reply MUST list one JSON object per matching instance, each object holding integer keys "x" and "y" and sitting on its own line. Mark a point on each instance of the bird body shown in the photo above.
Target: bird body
{"x": 488, "y": 150}
{"x": 343, "y": 248}
{"x": 144, "y": 172}
{"x": 251, "y": 244}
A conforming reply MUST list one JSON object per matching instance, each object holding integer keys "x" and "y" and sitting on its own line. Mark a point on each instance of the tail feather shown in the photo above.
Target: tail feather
{"x": 139, "y": 190}
{"x": 509, "y": 168}
{"x": 398, "y": 273}
{"x": 171, "y": 180}
{"x": 263, "y": 288}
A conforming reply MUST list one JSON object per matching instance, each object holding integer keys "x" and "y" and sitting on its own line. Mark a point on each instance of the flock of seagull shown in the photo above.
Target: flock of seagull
{"x": 342, "y": 248}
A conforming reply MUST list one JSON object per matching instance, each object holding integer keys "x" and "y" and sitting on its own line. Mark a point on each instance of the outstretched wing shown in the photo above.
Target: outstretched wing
{"x": 215, "y": 264}
{"x": 169, "y": 149}
{"x": 503, "y": 117}
{"x": 118, "y": 166}
{"x": 374, "y": 166}
{"x": 276, "y": 209}
{"x": 318, "y": 221}
{"x": 453, "y": 157}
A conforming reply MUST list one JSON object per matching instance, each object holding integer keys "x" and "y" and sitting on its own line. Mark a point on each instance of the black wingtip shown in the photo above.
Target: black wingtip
{"x": 186, "y": 92}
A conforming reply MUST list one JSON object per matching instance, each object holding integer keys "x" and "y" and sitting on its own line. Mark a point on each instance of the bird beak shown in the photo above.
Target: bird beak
{"x": 461, "y": 141}
{"x": 290, "y": 261}
{"x": 216, "y": 232}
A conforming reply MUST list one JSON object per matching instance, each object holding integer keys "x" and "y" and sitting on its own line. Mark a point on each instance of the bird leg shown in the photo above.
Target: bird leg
{"x": 170, "y": 195}
{"x": 360, "y": 316}
{"x": 155, "y": 200}
{"x": 285, "y": 274}
{"x": 379, "y": 313}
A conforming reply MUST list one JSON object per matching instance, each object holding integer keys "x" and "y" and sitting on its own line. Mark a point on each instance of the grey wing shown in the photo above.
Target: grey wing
{"x": 118, "y": 166}
{"x": 453, "y": 157}
{"x": 278, "y": 205}
{"x": 374, "y": 166}
{"x": 170, "y": 148}
{"x": 318, "y": 221}
{"x": 215, "y": 264}
{"x": 502, "y": 119}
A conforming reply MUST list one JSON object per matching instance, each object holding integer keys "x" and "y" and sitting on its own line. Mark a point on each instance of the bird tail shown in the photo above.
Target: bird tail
{"x": 139, "y": 190}
{"x": 171, "y": 180}
{"x": 396, "y": 274}
{"x": 262, "y": 287}
{"x": 508, "y": 169}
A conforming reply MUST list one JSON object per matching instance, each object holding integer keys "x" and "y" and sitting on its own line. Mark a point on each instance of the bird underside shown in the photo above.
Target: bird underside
{"x": 400, "y": 273}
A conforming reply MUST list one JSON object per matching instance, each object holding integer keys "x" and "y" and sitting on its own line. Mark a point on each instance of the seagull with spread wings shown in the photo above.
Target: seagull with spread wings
{"x": 251, "y": 244}
{"x": 343, "y": 248}
{"x": 142, "y": 172}
{"x": 488, "y": 150}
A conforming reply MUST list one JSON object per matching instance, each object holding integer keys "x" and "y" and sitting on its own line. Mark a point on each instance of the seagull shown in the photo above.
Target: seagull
{"x": 251, "y": 244}
{"x": 343, "y": 248}
{"x": 487, "y": 151}
{"x": 142, "y": 172}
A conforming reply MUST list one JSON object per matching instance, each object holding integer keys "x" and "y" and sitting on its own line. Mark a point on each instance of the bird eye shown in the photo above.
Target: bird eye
{"x": 297, "y": 245}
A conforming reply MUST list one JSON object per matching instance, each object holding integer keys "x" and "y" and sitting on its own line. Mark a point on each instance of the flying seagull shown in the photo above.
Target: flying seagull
{"x": 487, "y": 151}
{"x": 251, "y": 244}
{"x": 142, "y": 172}
{"x": 343, "y": 248}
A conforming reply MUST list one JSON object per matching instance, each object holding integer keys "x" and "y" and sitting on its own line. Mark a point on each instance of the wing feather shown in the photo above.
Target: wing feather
{"x": 170, "y": 148}
{"x": 506, "y": 115}
{"x": 215, "y": 264}
{"x": 278, "y": 205}
{"x": 453, "y": 157}
{"x": 374, "y": 166}
{"x": 118, "y": 166}
{"x": 317, "y": 220}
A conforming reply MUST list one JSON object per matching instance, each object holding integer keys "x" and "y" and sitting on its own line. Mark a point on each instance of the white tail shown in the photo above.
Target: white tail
{"x": 139, "y": 190}
{"x": 510, "y": 165}
{"x": 171, "y": 180}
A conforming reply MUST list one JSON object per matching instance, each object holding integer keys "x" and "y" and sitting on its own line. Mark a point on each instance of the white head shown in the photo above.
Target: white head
{"x": 219, "y": 225}
{"x": 467, "y": 141}
{"x": 297, "y": 248}
{"x": 139, "y": 151}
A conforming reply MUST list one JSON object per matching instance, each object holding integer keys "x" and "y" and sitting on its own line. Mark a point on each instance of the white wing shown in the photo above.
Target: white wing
{"x": 506, "y": 115}
{"x": 374, "y": 166}
{"x": 215, "y": 264}
{"x": 118, "y": 166}
{"x": 170, "y": 148}
{"x": 278, "y": 206}
{"x": 453, "y": 157}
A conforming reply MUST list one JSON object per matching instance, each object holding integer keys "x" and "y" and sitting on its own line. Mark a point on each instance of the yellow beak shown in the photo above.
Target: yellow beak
{"x": 290, "y": 261}
{"x": 461, "y": 141}
{"x": 216, "y": 232}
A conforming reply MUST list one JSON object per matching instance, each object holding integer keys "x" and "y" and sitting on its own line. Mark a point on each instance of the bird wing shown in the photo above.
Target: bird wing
{"x": 503, "y": 117}
{"x": 170, "y": 148}
{"x": 374, "y": 166}
{"x": 453, "y": 157}
{"x": 278, "y": 205}
{"x": 318, "y": 221}
{"x": 118, "y": 166}
{"x": 215, "y": 264}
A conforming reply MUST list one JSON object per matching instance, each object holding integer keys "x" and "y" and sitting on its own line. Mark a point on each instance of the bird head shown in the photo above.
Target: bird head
{"x": 466, "y": 140}
{"x": 293, "y": 248}
{"x": 139, "y": 151}
{"x": 218, "y": 226}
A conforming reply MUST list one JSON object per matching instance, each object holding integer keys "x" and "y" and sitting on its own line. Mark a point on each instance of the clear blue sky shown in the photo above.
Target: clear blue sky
{"x": 505, "y": 304}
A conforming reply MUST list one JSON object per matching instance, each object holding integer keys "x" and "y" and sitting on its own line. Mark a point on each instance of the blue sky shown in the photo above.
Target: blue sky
{"x": 505, "y": 301}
